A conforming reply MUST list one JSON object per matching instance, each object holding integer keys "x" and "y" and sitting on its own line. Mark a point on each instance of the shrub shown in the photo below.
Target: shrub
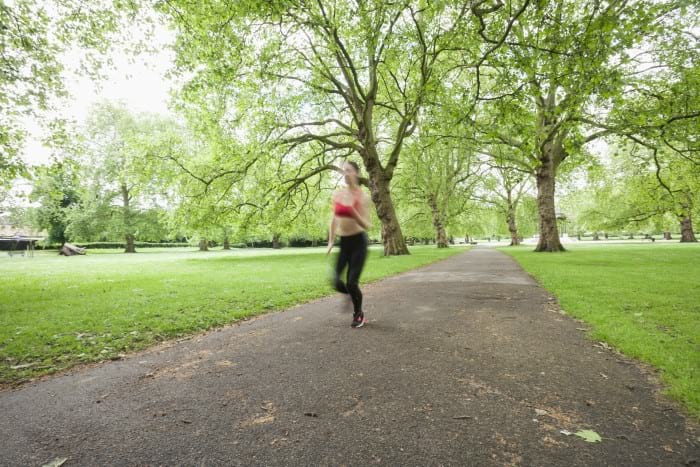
{"x": 112, "y": 245}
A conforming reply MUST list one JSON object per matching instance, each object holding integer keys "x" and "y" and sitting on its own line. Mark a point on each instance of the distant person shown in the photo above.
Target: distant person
{"x": 350, "y": 221}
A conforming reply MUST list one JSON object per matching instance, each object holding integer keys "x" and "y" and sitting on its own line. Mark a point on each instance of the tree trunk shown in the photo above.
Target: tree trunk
{"x": 130, "y": 245}
{"x": 441, "y": 239}
{"x": 276, "y": 241}
{"x": 227, "y": 243}
{"x": 512, "y": 226}
{"x": 549, "y": 234}
{"x": 392, "y": 237}
{"x": 203, "y": 244}
{"x": 128, "y": 235}
{"x": 596, "y": 236}
{"x": 687, "y": 235}
{"x": 440, "y": 234}
{"x": 667, "y": 235}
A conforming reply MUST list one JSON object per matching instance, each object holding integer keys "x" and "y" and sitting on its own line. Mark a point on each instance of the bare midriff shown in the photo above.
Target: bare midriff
{"x": 347, "y": 226}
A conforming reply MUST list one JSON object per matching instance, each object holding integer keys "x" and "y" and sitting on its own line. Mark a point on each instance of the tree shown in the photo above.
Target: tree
{"x": 676, "y": 186}
{"x": 33, "y": 35}
{"x": 625, "y": 194}
{"x": 504, "y": 187}
{"x": 440, "y": 174}
{"x": 562, "y": 65}
{"x": 56, "y": 189}
{"x": 658, "y": 113}
{"x": 336, "y": 78}
{"x": 266, "y": 203}
{"x": 665, "y": 105}
{"x": 122, "y": 166}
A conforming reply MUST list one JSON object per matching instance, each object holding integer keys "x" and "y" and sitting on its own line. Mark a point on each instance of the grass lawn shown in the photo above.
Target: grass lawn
{"x": 642, "y": 299}
{"x": 57, "y": 311}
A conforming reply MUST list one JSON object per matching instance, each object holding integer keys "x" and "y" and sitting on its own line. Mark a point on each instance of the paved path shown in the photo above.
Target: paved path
{"x": 464, "y": 362}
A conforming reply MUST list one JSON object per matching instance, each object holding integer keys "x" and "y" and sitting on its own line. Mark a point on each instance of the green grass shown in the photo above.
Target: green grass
{"x": 643, "y": 300}
{"x": 56, "y": 312}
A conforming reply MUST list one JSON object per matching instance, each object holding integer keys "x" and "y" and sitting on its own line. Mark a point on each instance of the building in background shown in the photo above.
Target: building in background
{"x": 18, "y": 239}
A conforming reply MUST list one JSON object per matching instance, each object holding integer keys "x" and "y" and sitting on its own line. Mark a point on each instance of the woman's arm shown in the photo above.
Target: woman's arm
{"x": 362, "y": 215}
{"x": 331, "y": 235}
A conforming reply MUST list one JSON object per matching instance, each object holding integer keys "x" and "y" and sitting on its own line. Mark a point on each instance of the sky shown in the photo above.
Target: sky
{"x": 138, "y": 81}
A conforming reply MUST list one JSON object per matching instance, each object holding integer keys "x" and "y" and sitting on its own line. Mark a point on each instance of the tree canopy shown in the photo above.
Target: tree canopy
{"x": 464, "y": 115}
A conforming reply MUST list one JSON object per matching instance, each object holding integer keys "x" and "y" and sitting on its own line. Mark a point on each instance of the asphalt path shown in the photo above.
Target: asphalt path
{"x": 464, "y": 362}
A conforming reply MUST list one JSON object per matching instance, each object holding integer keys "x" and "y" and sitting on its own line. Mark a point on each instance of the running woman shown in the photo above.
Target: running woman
{"x": 350, "y": 221}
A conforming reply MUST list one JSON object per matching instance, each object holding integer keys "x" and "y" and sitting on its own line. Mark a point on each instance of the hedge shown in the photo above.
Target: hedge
{"x": 114, "y": 245}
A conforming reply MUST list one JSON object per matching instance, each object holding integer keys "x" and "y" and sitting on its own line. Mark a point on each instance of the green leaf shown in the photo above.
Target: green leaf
{"x": 589, "y": 436}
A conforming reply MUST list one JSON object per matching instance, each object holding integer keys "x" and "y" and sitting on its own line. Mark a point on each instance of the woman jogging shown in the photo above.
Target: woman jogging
{"x": 350, "y": 221}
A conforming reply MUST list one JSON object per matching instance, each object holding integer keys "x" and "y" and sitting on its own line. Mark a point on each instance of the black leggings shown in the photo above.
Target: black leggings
{"x": 353, "y": 252}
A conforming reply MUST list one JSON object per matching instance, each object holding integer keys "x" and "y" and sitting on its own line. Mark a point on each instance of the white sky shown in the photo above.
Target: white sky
{"x": 138, "y": 81}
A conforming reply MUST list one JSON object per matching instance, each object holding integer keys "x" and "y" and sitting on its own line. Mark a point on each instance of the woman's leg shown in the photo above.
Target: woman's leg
{"x": 342, "y": 261}
{"x": 357, "y": 257}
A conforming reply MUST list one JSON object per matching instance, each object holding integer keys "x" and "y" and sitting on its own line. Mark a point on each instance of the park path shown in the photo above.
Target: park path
{"x": 464, "y": 362}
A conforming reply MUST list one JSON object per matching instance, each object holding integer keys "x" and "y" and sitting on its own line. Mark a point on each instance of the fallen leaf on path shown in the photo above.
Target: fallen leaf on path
{"x": 540, "y": 412}
{"x": 604, "y": 375}
{"x": 462, "y": 417}
{"x": 224, "y": 363}
{"x": 311, "y": 414}
{"x": 56, "y": 462}
{"x": 589, "y": 436}
{"x": 566, "y": 433}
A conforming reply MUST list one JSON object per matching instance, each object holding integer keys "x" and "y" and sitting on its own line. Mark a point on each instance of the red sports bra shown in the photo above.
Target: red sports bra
{"x": 343, "y": 210}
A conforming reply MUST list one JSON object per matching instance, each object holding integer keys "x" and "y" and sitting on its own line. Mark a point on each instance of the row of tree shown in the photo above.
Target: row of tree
{"x": 299, "y": 85}
{"x": 143, "y": 177}
{"x": 123, "y": 182}
{"x": 452, "y": 107}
